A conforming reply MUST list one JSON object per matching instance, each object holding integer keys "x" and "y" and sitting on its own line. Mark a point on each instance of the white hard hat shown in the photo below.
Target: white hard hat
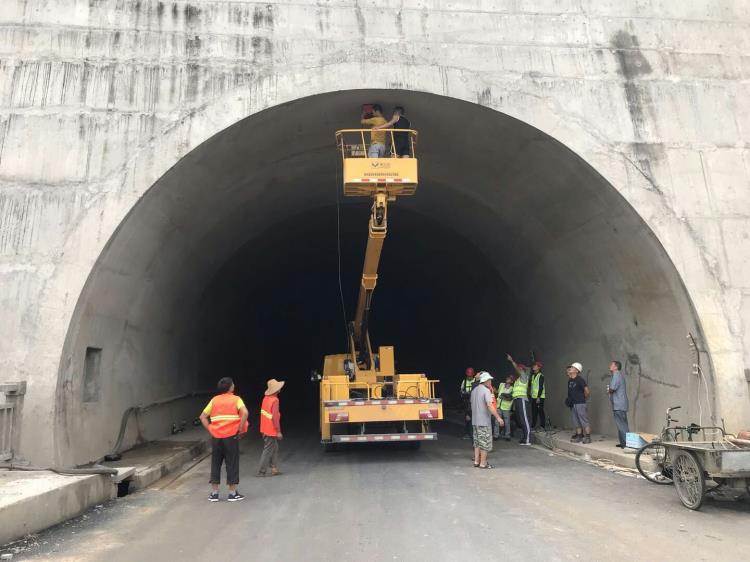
{"x": 577, "y": 366}
{"x": 484, "y": 376}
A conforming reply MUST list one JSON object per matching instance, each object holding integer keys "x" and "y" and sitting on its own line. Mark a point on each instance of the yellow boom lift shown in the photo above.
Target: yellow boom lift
{"x": 362, "y": 397}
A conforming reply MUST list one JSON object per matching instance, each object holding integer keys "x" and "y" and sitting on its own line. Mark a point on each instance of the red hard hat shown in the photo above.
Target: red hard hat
{"x": 469, "y": 371}
{"x": 537, "y": 364}
{"x": 521, "y": 366}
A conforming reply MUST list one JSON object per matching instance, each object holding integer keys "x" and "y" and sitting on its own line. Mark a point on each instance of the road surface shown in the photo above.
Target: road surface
{"x": 386, "y": 504}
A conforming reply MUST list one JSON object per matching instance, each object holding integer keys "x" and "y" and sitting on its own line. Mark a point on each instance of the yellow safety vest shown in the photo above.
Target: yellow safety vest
{"x": 466, "y": 386}
{"x": 520, "y": 389}
{"x": 535, "y": 386}
{"x": 504, "y": 404}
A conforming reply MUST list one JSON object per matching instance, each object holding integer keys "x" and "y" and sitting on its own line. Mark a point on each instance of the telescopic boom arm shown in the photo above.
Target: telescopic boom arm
{"x": 378, "y": 228}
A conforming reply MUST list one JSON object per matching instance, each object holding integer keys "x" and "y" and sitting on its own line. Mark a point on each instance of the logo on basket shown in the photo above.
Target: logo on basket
{"x": 382, "y": 165}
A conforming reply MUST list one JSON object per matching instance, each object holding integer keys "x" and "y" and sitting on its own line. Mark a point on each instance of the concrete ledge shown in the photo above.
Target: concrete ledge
{"x": 154, "y": 460}
{"x": 147, "y": 475}
{"x": 600, "y": 448}
{"x": 33, "y": 501}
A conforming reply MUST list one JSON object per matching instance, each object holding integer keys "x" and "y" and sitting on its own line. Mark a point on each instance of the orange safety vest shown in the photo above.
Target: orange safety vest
{"x": 225, "y": 416}
{"x": 266, "y": 417}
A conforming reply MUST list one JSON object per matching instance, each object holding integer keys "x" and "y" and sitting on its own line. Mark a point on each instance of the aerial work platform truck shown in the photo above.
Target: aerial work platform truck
{"x": 362, "y": 397}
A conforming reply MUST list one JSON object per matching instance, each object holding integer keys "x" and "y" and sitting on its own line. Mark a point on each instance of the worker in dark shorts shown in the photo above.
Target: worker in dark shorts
{"x": 401, "y": 146}
{"x": 225, "y": 418}
{"x": 578, "y": 394}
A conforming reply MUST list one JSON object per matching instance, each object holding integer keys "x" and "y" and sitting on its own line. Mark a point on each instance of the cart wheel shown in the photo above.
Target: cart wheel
{"x": 657, "y": 453}
{"x": 689, "y": 479}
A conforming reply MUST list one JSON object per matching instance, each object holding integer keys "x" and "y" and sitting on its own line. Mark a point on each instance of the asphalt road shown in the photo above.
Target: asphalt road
{"x": 386, "y": 504}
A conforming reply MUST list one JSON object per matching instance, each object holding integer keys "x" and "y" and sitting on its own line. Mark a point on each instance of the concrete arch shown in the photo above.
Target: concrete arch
{"x": 134, "y": 210}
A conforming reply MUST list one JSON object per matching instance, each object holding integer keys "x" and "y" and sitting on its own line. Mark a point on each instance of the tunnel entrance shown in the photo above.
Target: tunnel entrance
{"x": 229, "y": 266}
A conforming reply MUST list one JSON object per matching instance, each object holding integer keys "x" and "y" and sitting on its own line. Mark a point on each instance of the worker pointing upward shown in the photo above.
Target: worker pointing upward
{"x": 521, "y": 399}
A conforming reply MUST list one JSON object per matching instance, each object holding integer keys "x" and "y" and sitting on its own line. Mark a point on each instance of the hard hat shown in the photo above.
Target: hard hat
{"x": 577, "y": 366}
{"x": 484, "y": 376}
{"x": 469, "y": 371}
{"x": 537, "y": 364}
{"x": 521, "y": 366}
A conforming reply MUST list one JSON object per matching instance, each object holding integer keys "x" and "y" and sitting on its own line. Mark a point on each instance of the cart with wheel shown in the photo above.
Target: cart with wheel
{"x": 725, "y": 462}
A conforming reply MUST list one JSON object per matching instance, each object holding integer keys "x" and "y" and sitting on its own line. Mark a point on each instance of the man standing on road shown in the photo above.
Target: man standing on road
{"x": 538, "y": 393}
{"x": 467, "y": 384}
{"x": 495, "y": 425}
{"x": 505, "y": 396}
{"x": 228, "y": 420}
{"x": 482, "y": 412}
{"x": 270, "y": 428}
{"x": 578, "y": 393}
{"x": 618, "y": 395}
{"x": 521, "y": 399}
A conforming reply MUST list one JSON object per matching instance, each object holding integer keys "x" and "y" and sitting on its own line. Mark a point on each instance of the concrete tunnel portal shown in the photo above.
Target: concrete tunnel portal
{"x": 229, "y": 266}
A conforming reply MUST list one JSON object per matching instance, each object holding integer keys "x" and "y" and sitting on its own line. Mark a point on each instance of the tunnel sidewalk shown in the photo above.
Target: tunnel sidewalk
{"x": 31, "y": 501}
{"x": 601, "y": 448}
{"x": 156, "y": 459}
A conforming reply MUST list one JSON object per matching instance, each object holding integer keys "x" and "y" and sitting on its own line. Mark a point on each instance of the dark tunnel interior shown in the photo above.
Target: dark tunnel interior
{"x": 280, "y": 321}
{"x": 228, "y": 265}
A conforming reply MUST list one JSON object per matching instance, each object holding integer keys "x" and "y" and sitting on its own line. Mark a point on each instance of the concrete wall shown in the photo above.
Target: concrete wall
{"x": 98, "y": 99}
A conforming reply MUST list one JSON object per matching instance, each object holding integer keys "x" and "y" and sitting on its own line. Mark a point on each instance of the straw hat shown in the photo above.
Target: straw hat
{"x": 273, "y": 386}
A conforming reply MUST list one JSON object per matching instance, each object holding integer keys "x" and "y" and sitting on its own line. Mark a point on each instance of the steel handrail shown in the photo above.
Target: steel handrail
{"x": 379, "y": 385}
{"x": 364, "y": 144}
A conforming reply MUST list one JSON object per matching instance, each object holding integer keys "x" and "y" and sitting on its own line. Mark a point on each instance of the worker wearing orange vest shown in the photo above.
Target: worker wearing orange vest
{"x": 270, "y": 428}
{"x": 225, "y": 418}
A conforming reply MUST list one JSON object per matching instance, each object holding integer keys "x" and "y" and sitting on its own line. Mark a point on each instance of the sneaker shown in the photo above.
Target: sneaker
{"x": 576, "y": 438}
{"x": 213, "y": 497}
{"x": 235, "y": 497}
{"x": 260, "y": 474}
{"x": 526, "y": 444}
{"x": 587, "y": 439}
{"x": 620, "y": 446}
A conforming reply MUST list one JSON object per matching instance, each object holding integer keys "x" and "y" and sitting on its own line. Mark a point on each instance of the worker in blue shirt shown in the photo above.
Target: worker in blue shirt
{"x": 618, "y": 396}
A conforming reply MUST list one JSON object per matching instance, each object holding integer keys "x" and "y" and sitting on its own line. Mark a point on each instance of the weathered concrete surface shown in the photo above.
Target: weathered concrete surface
{"x": 375, "y": 504}
{"x": 32, "y": 501}
{"x": 600, "y": 448}
{"x": 156, "y": 459}
{"x": 99, "y": 99}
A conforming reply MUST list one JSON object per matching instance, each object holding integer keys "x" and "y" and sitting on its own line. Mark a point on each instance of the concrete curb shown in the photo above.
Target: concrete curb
{"x": 57, "y": 499}
{"x": 594, "y": 451}
{"x": 147, "y": 475}
{"x": 33, "y": 501}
